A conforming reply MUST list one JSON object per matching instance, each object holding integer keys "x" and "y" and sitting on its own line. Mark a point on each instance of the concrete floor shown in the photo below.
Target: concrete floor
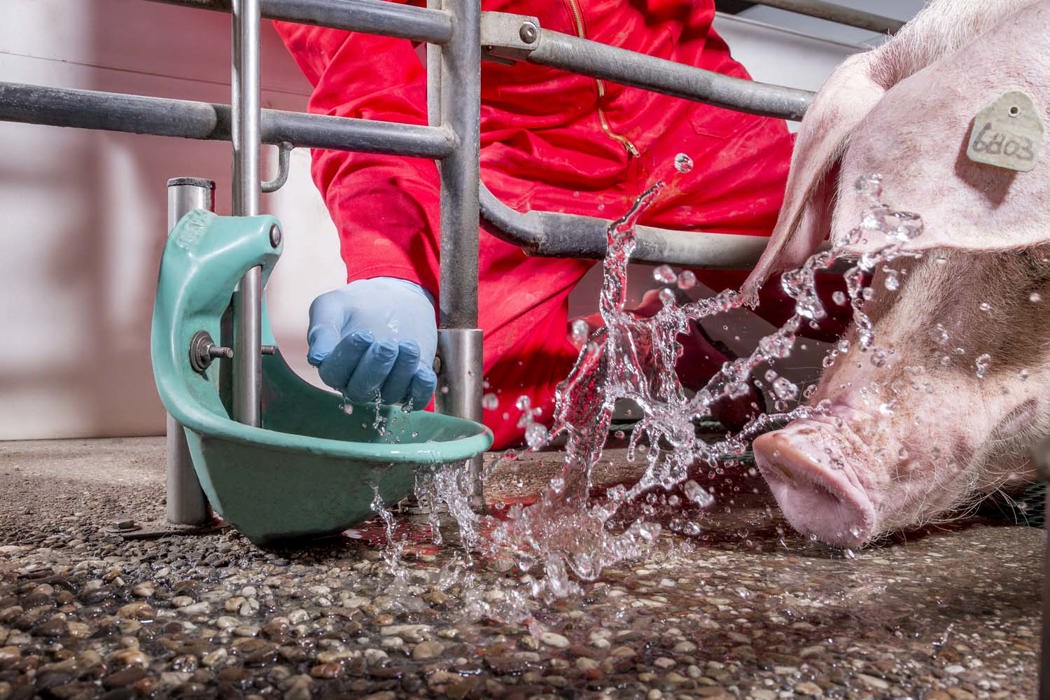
{"x": 739, "y": 608}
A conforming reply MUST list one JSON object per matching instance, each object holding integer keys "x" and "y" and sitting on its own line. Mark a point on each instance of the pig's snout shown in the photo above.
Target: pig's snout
{"x": 815, "y": 486}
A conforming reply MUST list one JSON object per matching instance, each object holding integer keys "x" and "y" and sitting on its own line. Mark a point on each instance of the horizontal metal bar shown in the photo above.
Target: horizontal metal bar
{"x": 369, "y": 16}
{"x": 548, "y": 234}
{"x": 837, "y": 13}
{"x": 598, "y": 60}
{"x": 110, "y": 111}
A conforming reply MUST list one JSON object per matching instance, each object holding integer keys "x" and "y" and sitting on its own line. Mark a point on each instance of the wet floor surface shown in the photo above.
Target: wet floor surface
{"x": 739, "y": 608}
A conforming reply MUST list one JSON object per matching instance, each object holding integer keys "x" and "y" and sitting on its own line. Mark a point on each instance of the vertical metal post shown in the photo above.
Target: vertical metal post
{"x": 1042, "y": 467}
{"x": 433, "y": 66}
{"x": 247, "y": 302}
{"x": 459, "y": 339}
{"x": 185, "y": 501}
{"x": 1044, "y": 653}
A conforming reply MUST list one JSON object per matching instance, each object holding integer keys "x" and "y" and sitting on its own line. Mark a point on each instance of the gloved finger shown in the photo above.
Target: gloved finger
{"x": 424, "y": 381}
{"x": 373, "y": 369}
{"x": 327, "y": 315}
{"x": 396, "y": 385}
{"x": 337, "y": 368}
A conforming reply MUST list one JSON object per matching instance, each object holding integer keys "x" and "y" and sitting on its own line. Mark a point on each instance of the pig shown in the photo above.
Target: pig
{"x": 950, "y": 398}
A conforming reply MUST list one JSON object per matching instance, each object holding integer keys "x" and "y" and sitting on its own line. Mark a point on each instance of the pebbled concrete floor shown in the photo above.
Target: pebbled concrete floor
{"x": 738, "y": 608}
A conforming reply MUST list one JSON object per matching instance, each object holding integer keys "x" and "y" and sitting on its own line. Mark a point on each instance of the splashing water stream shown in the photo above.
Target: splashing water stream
{"x": 567, "y": 534}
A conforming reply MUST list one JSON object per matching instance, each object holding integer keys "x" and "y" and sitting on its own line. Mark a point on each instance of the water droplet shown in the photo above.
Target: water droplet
{"x": 891, "y": 282}
{"x": 848, "y": 553}
{"x": 982, "y": 363}
{"x": 770, "y": 376}
{"x": 1035, "y": 297}
{"x": 535, "y": 436}
{"x": 785, "y": 389}
{"x": 1022, "y": 375}
{"x": 697, "y": 494}
{"x": 842, "y": 345}
{"x": 939, "y": 335}
{"x": 579, "y": 331}
{"x": 667, "y": 296}
{"x": 523, "y": 403}
{"x": 878, "y": 357}
{"x": 984, "y": 306}
{"x": 619, "y": 435}
{"x": 902, "y": 454}
{"x": 870, "y": 187}
{"x": 490, "y": 402}
{"x": 839, "y": 298}
{"x": 683, "y": 163}
{"x": 664, "y": 274}
{"x": 686, "y": 279}
{"x": 941, "y": 260}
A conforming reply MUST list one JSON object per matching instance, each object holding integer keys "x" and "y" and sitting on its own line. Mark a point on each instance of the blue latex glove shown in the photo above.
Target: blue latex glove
{"x": 375, "y": 337}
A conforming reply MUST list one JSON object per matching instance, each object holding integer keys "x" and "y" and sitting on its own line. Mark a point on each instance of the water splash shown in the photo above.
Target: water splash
{"x": 568, "y": 534}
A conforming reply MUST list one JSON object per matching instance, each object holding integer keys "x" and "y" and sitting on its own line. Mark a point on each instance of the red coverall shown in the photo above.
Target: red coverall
{"x": 550, "y": 140}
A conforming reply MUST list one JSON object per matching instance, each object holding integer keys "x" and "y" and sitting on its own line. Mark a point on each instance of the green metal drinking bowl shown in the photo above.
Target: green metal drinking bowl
{"x": 310, "y": 468}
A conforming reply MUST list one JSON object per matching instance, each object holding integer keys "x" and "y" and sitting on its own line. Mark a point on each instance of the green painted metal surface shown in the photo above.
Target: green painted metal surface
{"x": 311, "y": 468}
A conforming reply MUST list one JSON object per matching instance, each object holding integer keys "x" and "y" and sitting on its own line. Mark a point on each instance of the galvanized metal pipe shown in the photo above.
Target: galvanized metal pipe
{"x": 185, "y": 503}
{"x": 369, "y": 16}
{"x": 597, "y": 60}
{"x": 1044, "y": 652}
{"x": 159, "y": 116}
{"x": 837, "y": 13}
{"x": 247, "y": 302}
{"x": 548, "y": 234}
{"x": 460, "y": 109}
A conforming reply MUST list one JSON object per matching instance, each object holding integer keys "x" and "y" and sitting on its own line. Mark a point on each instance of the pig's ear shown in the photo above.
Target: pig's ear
{"x": 840, "y": 105}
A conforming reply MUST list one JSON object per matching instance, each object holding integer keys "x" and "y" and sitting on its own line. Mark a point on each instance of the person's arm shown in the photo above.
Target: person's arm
{"x": 377, "y": 335}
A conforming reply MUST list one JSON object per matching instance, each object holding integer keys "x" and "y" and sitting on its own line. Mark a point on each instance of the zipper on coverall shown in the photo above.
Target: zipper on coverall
{"x": 577, "y": 16}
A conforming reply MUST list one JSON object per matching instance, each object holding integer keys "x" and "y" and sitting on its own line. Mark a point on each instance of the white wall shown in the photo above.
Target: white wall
{"x": 84, "y": 212}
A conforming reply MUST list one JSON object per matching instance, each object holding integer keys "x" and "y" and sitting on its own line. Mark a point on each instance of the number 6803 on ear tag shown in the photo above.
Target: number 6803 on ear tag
{"x": 1007, "y": 133}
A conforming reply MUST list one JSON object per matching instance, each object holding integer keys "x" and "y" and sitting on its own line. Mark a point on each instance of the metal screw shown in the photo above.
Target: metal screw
{"x": 275, "y": 235}
{"x": 203, "y": 350}
{"x": 529, "y": 32}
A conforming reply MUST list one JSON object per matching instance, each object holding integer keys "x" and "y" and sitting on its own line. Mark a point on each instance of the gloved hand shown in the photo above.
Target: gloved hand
{"x": 375, "y": 337}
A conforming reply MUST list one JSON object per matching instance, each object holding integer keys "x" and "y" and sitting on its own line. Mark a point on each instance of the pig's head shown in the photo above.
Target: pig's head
{"x": 945, "y": 403}
{"x": 950, "y": 397}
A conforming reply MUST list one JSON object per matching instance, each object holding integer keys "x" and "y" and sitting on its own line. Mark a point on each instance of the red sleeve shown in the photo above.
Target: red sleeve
{"x": 384, "y": 207}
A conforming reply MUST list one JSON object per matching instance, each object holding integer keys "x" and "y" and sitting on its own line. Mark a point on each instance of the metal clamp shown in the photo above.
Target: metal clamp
{"x": 508, "y": 36}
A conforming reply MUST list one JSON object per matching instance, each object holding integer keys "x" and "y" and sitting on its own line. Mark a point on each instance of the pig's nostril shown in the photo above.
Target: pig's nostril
{"x": 777, "y": 471}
